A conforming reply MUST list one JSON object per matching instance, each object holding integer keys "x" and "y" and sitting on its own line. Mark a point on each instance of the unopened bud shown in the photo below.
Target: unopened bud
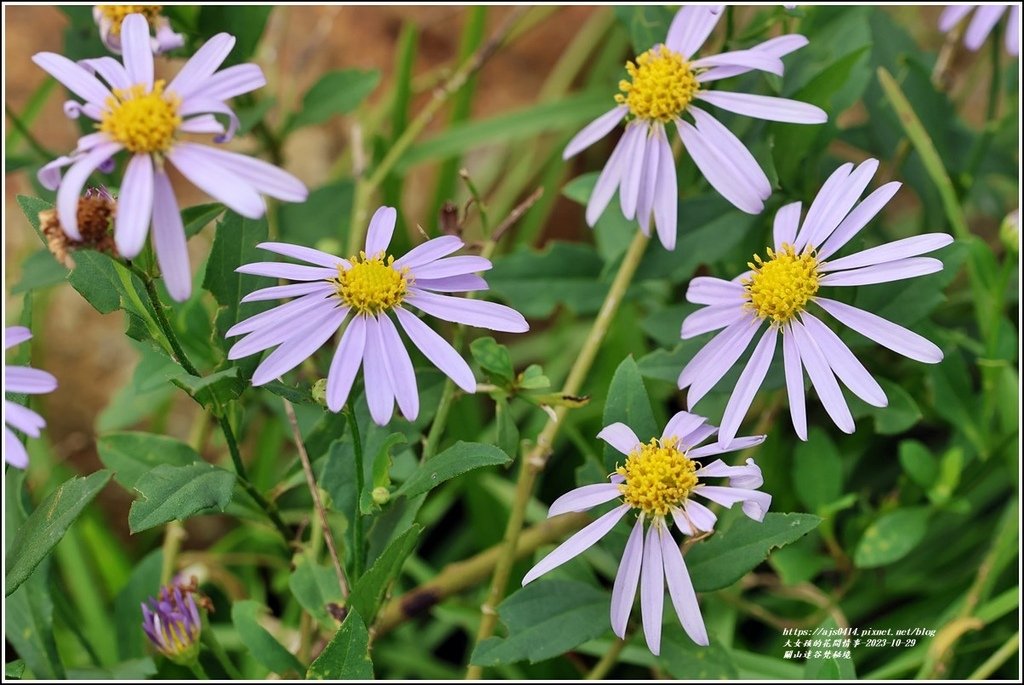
{"x": 381, "y": 496}
{"x": 319, "y": 392}
{"x": 1009, "y": 232}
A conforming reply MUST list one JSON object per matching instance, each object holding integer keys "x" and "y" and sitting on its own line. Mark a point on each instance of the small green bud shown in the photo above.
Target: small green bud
{"x": 1009, "y": 232}
{"x": 381, "y": 496}
{"x": 319, "y": 392}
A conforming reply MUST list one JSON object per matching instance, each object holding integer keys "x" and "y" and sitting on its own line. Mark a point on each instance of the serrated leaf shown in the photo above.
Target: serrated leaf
{"x": 891, "y": 537}
{"x": 173, "y": 493}
{"x": 369, "y": 590}
{"x": 628, "y": 403}
{"x": 261, "y": 644}
{"x": 45, "y": 526}
{"x": 213, "y": 391}
{"x": 545, "y": 619}
{"x": 454, "y": 461}
{"x": 131, "y": 454}
{"x": 347, "y": 655}
{"x": 336, "y": 92}
{"x": 732, "y": 553}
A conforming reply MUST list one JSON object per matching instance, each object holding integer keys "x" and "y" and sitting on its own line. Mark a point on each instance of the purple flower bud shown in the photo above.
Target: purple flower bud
{"x": 172, "y": 623}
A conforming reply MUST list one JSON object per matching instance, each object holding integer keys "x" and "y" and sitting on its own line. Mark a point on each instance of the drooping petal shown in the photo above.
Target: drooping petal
{"x": 711, "y": 318}
{"x": 714, "y": 291}
{"x": 306, "y": 254}
{"x": 691, "y": 27}
{"x": 680, "y": 589}
{"x": 490, "y": 315}
{"x": 1012, "y": 39}
{"x": 136, "y": 50}
{"x": 134, "y": 206}
{"x": 984, "y": 20}
{"x": 699, "y": 517}
{"x": 293, "y": 272}
{"x": 857, "y": 219}
{"x": 452, "y": 266}
{"x": 681, "y": 425}
{"x": 666, "y": 194}
{"x": 755, "y": 502}
{"x": 724, "y": 140}
{"x": 110, "y": 70}
{"x": 435, "y": 348}
{"x": 380, "y": 396}
{"x": 843, "y": 362}
{"x": 652, "y": 590}
{"x": 735, "y": 445}
{"x": 212, "y": 178}
{"x": 345, "y": 364}
{"x": 194, "y": 74}
{"x": 746, "y": 387}
{"x": 884, "y": 332}
{"x": 620, "y": 436}
{"x": 424, "y": 253}
{"x": 719, "y": 170}
{"x": 293, "y": 352}
{"x": 766, "y": 107}
{"x": 23, "y": 418}
{"x": 794, "y": 384}
{"x": 169, "y": 240}
{"x": 382, "y": 227}
{"x": 204, "y": 123}
{"x": 890, "y": 252}
{"x": 595, "y": 131}
{"x": 49, "y": 174}
{"x": 626, "y": 579}
{"x": 787, "y": 220}
{"x": 14, "y": 452}
{"x": 583, "y": 498}
{"x": 74, "y": 77}
{"x": 822, "y": 378}
{"x": 71, "y": 186}
{"x": 777, "y": 47}
{"x": 399, "y": 366}
{"x": 233, "y": 81}
{"x": 29, "y": 381}
{"x": 202, "y": 107}
{"x": 577, "y": 544}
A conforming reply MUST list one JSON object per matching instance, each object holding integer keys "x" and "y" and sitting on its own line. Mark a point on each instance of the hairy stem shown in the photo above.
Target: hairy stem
{"x": 535, "y": 461}
{"x": 314, "y": 490}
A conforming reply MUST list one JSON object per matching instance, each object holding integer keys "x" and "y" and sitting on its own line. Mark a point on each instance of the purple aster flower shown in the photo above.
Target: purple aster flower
{"x": 663, "y": 84}
{"x": 172, "y": 623}
{"x": 110, "y": 17}
{"x": 779, "y": 289}
{"x": 27, "y": 381}
{"x": 361, "y": 293}
{"x": 659, "y": 479}
{"x": 984, "y": 20}
{"x": 145, "y": 117}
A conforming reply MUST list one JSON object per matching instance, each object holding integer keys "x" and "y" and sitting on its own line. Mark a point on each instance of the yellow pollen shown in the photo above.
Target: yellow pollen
{"x": 116, "y": 14}
{"x": 372, "y": 285}
{"x": 141, "y": 121}
{"x": 658, "y": 477}
{"x": 661, "y": 85}
{"x": 780, "y": 287}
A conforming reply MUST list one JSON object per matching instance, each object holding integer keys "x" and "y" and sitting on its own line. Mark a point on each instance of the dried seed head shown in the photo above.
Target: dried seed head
{"x": 96, "y": 210}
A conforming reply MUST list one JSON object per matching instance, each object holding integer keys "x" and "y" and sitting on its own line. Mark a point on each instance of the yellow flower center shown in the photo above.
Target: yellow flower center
{"x": 661, "y": 85}
{"x": 141, "y": 121}
{"x": 117, "y": 13}
{"x": 658, "y": 477}
{"x": 780, "y": 287}
{"x": 372, "y": 285}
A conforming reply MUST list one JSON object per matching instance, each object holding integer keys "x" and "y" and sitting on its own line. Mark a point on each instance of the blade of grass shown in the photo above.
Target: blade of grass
{"x": 32, "y": 109}
{"x": 391, "y": 187}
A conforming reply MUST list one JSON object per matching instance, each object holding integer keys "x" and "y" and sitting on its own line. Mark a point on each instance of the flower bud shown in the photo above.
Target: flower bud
{"x": 172, "y": 623}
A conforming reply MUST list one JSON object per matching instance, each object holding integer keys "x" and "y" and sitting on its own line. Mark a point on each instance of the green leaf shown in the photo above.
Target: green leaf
{"x": 347, "y": 655}
{"x": 198, "y": 217}
{"x": 322, "y": 220}
{"x": 315, "y": 586}
{"x": 508, "y": 432}
{"x": 535, "y": 283}
{"x": 28, "y": 625}
{"x": 380, "y": 475}
{"x": 648, "y": 24}
{"x": 45, "y": 526}
{"x": 260, "y": 643}
{"x": 130, "y": 454}
{"x": 454, "y": 140}
{"x": 368, "y": 591}
{"x": 817, "y": 470}
{"x": 289, "y": 392}
{"x": 337, "y": 92}
{"x": 891, "y": 537}
{"x": 213, "y": 391}
{"x": 834, "y": 668}
{"x": 143, "y": 583}
{"x": 732, "y": 553}
{"x": 684, "y": 659}
{"x": 40, "y": 271}
{"x": 173, "y": 493}
{"x": 918, "y": 463}
{"x": 31, "y": 207}
{"x": 454, "y": 461}
{"x": 494, "y": 359}
{"x": 244, "y": 22}
{"x": 545, "y": 619}
{"x": 628, "y": 403}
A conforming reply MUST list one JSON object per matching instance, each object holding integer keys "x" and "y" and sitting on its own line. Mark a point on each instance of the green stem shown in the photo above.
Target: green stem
{"x": 357, "y": 516}
{"x": 211, "y": 641}
{"x": 271, "y": 142}
{"x": 22, "y": 129}
{"x": 607, "y": 662}
{"x": 197, "y": 669}
{"x": 999, "y": 657}
{"x": 533, "y": 463}
{"x": 174, "y": 533}
{"x": 236, "y": 458}
{"x": 163, "y": 322}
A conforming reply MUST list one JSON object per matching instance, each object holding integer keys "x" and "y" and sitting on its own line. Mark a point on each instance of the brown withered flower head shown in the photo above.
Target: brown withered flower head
{"x": 96, "y": 210}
